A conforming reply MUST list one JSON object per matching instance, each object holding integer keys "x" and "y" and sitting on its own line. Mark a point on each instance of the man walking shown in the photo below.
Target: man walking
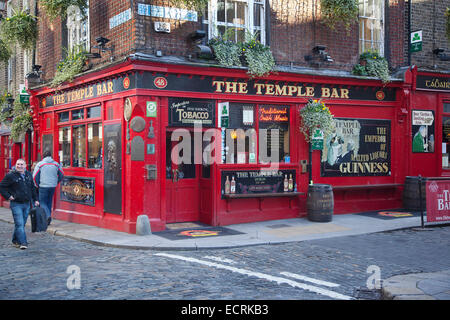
{"x": 47, "y": 174}
{"x": 18, "y": 187}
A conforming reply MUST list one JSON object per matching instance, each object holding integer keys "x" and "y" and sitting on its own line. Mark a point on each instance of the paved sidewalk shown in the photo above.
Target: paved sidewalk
{"x": 414, "y": 286}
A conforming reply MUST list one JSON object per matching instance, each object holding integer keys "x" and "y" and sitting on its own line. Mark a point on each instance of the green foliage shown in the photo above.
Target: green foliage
{"x": 447, "y": 14}
{"x": 226, "y": 51}
{"x": 5, "y": 52}
{"x": 69, "y": 67}
{"x": 58, "y": 8}
{"x": 20, "y": 28}
{"x": 197, "y": 5}
{"x": 315, "y": 114}
{"x": 22, "y": 119}
{"x": 257, "y": 56}
{"x": 342, "y": 11}
{"x": 5, "y": 114}
{"x": 374, "y": 65}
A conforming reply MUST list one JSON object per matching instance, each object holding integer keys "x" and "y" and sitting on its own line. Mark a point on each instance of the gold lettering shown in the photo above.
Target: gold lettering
{"x": 291, "y": 90}
{"x": 310, "y": 91}
{"x": 334, "y": 93}
{"x": 325, "y": 92}
{"x": 280, "y": 91}
{"x": 230, "y": 87}
{"x": 258, "y": 87}
{"x": 110, "y": 87}
{"x": 344, "y": 94}
{"x": 243, "y": 87}
{"x": 269, "y": 89}
{"x": 99, "y": 90}
{"x": 299, "y": 92}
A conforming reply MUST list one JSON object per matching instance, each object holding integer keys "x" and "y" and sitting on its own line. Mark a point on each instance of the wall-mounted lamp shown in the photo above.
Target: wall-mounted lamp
{"x": 34, "y": 77}
{"x": 101, "y": 43}
{"x": 200, "y": 49}
{"x": 9, "y": 106}
{"x": 319, "y": 55}
{"x": 439, "y": 52}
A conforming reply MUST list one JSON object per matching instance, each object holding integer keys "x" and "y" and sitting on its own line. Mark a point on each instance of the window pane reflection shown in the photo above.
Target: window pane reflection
{"x": 64, "y": 146}
{"x": 79, "y": 146}
{"x": 95, "y": 137}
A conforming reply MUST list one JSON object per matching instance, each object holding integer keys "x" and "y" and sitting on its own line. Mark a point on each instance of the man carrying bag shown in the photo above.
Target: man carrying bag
{"x": 38, "y": 219}
{"x": 17, "y": 186}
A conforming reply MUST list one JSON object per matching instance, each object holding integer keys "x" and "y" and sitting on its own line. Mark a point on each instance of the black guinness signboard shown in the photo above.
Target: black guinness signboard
{"x": 186, "y": 112}
{"x": 436, "y": 83}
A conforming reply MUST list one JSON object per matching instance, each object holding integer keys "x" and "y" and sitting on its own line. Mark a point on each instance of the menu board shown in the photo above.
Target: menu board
{"x": 185, "y": 112}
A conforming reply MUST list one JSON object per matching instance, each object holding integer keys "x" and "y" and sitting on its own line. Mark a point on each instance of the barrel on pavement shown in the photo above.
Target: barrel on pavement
{"x": 411, "y": 198}
{"x": 320, "y": 203}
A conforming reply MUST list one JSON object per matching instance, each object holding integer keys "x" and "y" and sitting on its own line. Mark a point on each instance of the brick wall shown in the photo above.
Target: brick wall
{"x": 429, "y": 17}
{"x": 293, "y": 33}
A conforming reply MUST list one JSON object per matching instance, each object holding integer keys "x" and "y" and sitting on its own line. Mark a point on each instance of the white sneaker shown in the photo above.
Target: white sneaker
{"x": 23, "y": 247}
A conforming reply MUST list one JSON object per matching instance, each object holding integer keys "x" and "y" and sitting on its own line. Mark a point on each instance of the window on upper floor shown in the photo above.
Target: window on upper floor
{"x": 78, "y": 28}
{"x": 371, "y": 26}
{"x": 239, "y": 15}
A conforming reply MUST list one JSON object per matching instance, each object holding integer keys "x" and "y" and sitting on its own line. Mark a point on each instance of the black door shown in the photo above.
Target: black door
{"x": 113, "y": 169}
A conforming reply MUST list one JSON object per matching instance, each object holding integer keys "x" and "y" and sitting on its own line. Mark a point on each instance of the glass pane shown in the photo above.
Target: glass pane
{"x": 95, "y": 137}
{"x": 445, "y": 142}
{"x": 63, "y": 117}
{"x": 94, "y": 112}
{"x": 446, "y": 107}
{"x": 257, "y": 15}
{"x": 64, "y": 146}
{"x": 367, "y": 30}
{"x": 221, "y": 10}
{"x": 78, "y": 114}
{"x": 274, "y": 120}
{"x": 230, "y": 11}
{"x": 79, "y": 146}
{"x": 240, "y": 13}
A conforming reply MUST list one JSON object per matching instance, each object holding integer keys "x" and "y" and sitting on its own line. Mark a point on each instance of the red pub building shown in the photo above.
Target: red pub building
{"x": 179, "y": 139}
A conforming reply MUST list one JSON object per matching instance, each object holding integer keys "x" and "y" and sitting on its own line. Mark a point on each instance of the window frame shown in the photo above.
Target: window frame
{"x": 256, "y": 126}
{"x": 76, "y": 22}
{"x": 210, "y": 19}
{"x": 363, "y": 18}
{"x": 441, "y": 128}
{"x": 78, "y": 122}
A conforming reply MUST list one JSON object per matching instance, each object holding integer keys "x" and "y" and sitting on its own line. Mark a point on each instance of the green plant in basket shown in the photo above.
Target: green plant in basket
{"x": 71, "y": 66}
{"x": 315, "y": 115}
{"x": 340, "y": 11}
{"x": 5, "y": 52}
{"x": 374, "y": 65}
{"x": 197, "y": 5}
{"x": 20, "y": 28}
{"x": 226, "y": 51}
{"x": 259, "y": 58}
{"x": 58, "y": 8}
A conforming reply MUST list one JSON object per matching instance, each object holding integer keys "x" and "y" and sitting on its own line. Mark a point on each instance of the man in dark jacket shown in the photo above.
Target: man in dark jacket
{"x": 18, "y": 187}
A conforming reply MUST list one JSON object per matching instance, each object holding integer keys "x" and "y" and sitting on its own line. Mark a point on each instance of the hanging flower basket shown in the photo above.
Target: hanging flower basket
{"x": 339, "y": 11}
{"x": 58, "y": 8}
{"x": 315, "y": 115}
{"x": 72, "y": 65}
{"x": 22, "y": 120}
{"x": 5, "y": 52}
{"x": 20, "y": 28}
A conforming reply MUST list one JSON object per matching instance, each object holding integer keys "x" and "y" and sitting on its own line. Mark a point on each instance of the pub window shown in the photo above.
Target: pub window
{"x": 446, "y": 136}
{"x": 247, "y": 135}
{"x": 64, "y": 146}
{"x": 95, "y": 137}
{"x": 274, "y": 133}
{"x": 79, "y": 146}
{"x": 371, "y": 26}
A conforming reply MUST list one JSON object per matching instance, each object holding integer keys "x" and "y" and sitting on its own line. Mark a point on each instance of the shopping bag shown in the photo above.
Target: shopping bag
{"x": 38, "y": 219}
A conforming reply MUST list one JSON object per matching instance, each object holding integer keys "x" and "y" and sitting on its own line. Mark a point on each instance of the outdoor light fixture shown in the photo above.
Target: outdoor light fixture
{"x": 439, "y": 52}
{"x": 200, "y": 49}
{"x": 101, "y": 43}
{"x": 9, "y": 106}
{"x": 34, "y": 77}
{"x": 319, "y": 55}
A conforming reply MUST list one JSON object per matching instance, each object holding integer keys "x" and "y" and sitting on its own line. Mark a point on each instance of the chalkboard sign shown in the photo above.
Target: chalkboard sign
{"x": 186, "y": 112}
{"x": 257, "y": 181}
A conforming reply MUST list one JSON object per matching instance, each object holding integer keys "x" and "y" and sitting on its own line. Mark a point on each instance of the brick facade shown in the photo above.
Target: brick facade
{"x": 294, "y": 28}
{"x": 429, "y": 16}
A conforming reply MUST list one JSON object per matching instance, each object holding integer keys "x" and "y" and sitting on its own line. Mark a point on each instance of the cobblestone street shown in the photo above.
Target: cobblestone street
{"x": 44, "y": 270}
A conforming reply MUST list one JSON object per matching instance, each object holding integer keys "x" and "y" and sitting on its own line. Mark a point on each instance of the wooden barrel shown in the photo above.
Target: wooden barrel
{"x": 320, "y": 203}
{"x": 411, "y": 199}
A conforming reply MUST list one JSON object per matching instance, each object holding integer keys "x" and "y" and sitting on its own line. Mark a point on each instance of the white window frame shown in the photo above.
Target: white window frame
{"x": 75, "y": 25}
{"x": 368, "y": 11}
{"x": 248, "y": 24}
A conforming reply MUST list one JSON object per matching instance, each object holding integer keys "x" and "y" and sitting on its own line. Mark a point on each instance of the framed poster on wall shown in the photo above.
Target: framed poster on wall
{"x": 358, "y": 147}
{"x": 423, "y": 131}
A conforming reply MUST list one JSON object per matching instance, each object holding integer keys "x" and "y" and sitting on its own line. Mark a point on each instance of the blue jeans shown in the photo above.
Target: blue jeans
{"x": 46, "y": 200}
{"x": 20, "y": 214}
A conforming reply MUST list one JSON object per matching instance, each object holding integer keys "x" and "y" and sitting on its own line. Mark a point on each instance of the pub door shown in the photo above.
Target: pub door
{"x": 182, "y": 181}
